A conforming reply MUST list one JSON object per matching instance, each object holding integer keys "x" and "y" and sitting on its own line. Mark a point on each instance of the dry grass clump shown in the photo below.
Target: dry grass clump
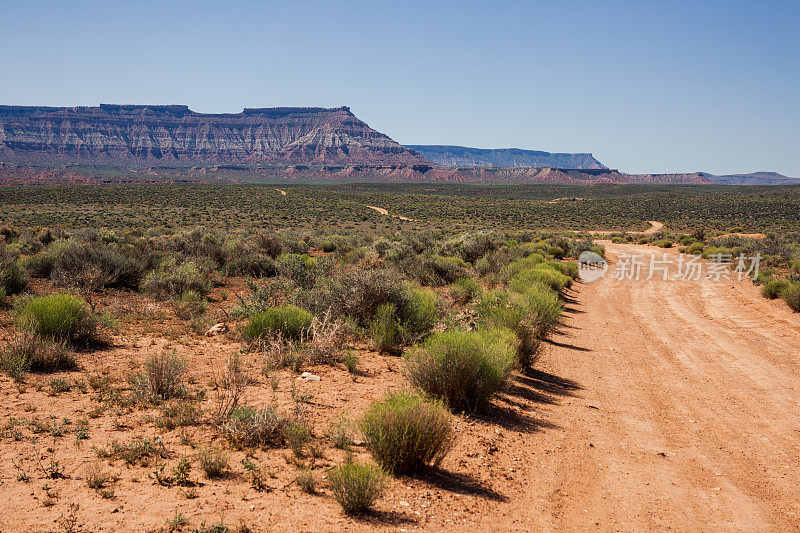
{"x": 406, "y": 433}
{"x": 162, "y": 378}
{"x": 356, "y": 486}
{"x": 249, "y": 427}
{"x": 213, "y": 462}
{"x": 29, "y": 352}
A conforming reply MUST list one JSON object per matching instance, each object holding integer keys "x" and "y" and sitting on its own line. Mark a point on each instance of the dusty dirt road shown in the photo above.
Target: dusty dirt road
{"x": 679, "y": 410}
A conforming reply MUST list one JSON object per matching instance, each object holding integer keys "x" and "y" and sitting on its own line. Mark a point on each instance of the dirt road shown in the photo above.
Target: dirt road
{"x": 683, "y": 413}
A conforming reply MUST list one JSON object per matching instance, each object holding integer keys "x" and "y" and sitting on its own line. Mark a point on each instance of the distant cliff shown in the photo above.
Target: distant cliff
{"x": 174, "y": 133}
{"x": 461, "y": 156}
{"x": 754, "y": 178}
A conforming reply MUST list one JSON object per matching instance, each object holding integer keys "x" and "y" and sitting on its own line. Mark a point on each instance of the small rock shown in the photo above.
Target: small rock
{"x": 308, "y": 376}
{"x": 403, "y": 503}
{"x": 216, "y": 329}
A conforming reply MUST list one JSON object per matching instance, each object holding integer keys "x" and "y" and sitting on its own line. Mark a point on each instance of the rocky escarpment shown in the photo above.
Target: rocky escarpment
{"x": 462, "y": 156}
{"x": 134, "y": 133}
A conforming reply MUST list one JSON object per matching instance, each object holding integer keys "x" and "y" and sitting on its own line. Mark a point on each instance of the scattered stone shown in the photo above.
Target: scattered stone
{"x": 308, "y": 376}
{"x": 216, "y": 329}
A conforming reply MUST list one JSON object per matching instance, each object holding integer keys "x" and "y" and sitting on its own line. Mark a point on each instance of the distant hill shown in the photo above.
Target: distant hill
{"x": 174, "y": 134}
{"x": 754, "y": 178}
{"x": 461, "y": 156}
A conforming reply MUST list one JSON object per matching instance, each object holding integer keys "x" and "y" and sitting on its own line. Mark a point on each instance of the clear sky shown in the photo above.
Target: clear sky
{"x": 644, "y": 85}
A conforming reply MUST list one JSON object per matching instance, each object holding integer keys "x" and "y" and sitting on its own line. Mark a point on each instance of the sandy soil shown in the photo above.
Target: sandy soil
{"x": 660, "y": 405}
{"x": 283, "y": 193}
{"x": 655, "y": 227}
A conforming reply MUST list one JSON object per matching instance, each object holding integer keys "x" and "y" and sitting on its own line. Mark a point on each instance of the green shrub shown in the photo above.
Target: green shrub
{"x": 568, "y": 268}
{"x": 356, "y": 293}
{"x": 162, "y": 378}
{"x": 464, "y": 289}
{"x": 13, "y": 278}
{"x": 774, "y": 287}
{"x": 189, "y": 304}
{"x": 531, "y": 314}
{"x": 791, "y": 295}
{"x": 58, "y": 316}
{"x": 463, "y": 369}
{"x": 289, "y": 321}
{"x": 385, "y": 329}
{"x": 171, "y": 279}
{"x": 420, "y": 310}
{"x": 300, "y": 268}
{"x": 406, "y": 433}
{"x": 663, "y": 243}
{"x": 543, "y": 275}
{"x": 95, "y": 266}
{"x": 356, "y": 486}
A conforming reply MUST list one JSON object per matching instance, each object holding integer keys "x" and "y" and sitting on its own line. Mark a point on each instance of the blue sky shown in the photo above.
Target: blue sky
{"x": 646, "y": 86}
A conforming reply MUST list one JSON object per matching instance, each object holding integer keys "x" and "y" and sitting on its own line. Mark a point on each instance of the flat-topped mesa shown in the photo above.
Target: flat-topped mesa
{"x": 462, "y": 156}
{"x": 130, "y": 133}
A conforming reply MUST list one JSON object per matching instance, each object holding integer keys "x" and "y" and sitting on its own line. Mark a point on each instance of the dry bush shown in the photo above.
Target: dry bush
{"x": 231, "y": 385}
{"x": 213, "y": 462}
{"x": 162, "y": 378}
{"x": 254, "y": 427}
{"x": 29, "y": 352}
{"x": 322, "y": 344}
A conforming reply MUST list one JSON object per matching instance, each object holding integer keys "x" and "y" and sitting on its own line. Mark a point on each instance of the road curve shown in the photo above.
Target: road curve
{"x": 687, "y": 416}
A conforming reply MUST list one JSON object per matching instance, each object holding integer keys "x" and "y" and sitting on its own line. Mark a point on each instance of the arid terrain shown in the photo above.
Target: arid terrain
{"x": 657, "y": 405}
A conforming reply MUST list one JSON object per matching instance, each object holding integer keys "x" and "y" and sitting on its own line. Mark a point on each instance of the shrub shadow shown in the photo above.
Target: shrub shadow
{"x": 384, "y": 518}
{"x": 460, "y": 484}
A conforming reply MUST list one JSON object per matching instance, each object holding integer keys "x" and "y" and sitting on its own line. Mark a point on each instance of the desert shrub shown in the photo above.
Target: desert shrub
{"x": 774, "y": 287}
{"x": 178, "y": 414}
{"x": 58, "y": 316}
{"x": 189, "y": 304}
{"x": 539, "y": 276}
{"x": 406, "y": 433}
{"x": 357, "y": 293}
{"x": 139, "y": 451}
{"x": 385, "y": 329}
{"x": 259, "y": 265}
{"x": 213, "y": 462}
{"x": 568, "y": 268}
{"x": 463, "y": 369}
{"x": 531, "y": 314}
{"x": 254, "y": 427}
{"x": 322, "y": 340}
{"x": 300, "y": 268}
{"x": 40, "y": 265}
{"x": 171, "y": 279}
{"x": 161, "y": 378}
{"x": 95, "y": 266}
{"x": 29, "y": 352}
{"x": 663, "y": 243}
{"x": 356, "y": 486}
{"x": 464, "y": 289}
{"x": 297, "y": 433}
{"x": 288, "y": 320}
{"x": 420, "y": 310}
{"x": 791, "y": 295}
{"x": 526, "y": 263}
{"x": 448, "y": 268}
{"x": 271, "y": 244}
{"x": 13, "y": 278}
